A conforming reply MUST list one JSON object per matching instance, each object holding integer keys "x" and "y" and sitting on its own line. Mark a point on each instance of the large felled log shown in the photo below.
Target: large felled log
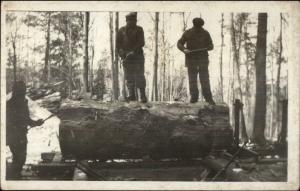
{"x": 93, "y": 130}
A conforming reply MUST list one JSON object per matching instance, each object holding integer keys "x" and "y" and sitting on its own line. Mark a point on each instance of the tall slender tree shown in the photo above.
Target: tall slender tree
{"x": 70, "y": 53}
{"x": 155, "y": 64}
{"x": 221, "y": 56}
{"x": 86, "y": 52}
{"x": 279, "y": 62}
{"x": 47, "y": 70}
{"x": 260, "y": 66}
{"x": 112, "y": 53}
{"x": 116, "y": 62}
{"x": 184, "y": 27}
{"x": 12, "y": 22}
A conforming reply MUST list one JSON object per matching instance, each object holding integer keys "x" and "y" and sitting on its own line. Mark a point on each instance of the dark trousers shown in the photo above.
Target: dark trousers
{"x": 18, "y": 147}
{"x": 134, "y": 73}
{"x": 199, "y": 67}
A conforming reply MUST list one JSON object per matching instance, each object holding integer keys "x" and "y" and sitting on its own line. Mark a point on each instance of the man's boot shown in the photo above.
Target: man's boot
{"x": 211, "y": 102}
{"x": 143, "y": 95}
{"x": 131, "y": 96}
{"x": 194, "y": 99}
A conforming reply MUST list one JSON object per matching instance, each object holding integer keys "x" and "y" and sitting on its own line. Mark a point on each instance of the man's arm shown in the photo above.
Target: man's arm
{"x": 210, "y": 45}
{"x": 140, "y": 40}
{"x": 181, "y": 42}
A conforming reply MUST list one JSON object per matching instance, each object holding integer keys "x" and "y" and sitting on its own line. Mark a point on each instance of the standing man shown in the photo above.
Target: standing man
{"x": 198, "y": 42}
{"x": 129, "y": 44}
{"x": 17, "y": 121}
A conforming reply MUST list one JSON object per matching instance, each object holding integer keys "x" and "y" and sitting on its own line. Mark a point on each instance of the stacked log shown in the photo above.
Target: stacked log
{"x": 51, "y": 102}
{"x": 94, "y": 130}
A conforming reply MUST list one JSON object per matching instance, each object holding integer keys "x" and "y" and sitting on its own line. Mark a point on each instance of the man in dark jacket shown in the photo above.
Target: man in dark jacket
{"x": 17, "y": 121}
{"x": 198, "y": 42}
{"x": 129, "y": 44}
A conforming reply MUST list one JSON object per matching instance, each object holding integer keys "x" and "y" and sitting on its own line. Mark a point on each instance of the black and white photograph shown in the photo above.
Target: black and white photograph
{"x": 150, "y": 95}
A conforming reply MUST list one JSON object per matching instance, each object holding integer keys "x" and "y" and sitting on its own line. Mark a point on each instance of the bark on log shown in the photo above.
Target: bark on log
{"x": 93, "y": 130}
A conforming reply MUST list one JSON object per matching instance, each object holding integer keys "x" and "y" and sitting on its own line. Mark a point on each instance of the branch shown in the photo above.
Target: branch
{"x": 81, "y": 19}
{"x": 152, "y": 18}
{"x": 188, "y": 17}
{"x": 91, "y": 24}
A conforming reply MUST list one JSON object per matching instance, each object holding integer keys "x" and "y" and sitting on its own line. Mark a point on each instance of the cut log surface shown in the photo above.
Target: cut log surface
{"x": 95, "y": 130}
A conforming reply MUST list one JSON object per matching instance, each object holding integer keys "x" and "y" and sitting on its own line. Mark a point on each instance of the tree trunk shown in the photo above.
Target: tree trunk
{"x": 111, "y": 35}
{"x": 47, "y": 74}
{"x": 155, "y": 67}
{"x": 248, "y": 82}
{"x": 184, "y": 22}
{"x": 86, "y": 52}
{"x": 93, "y": 130}
{"x": 236, "y": 52}
{"x": 260, "y": 64}
{"x": 70, "y": 60}
{"x": 279, "y": 60}
{"x": 14, "y": 60}
{"x": 236, "y": 58}
{"x": 163, "y": 89}
{"x": 92, "y": 68}
{"x": 116, "y": 73}
{"x": 271, "y": 124}
{"x": 124, "y": 87}
{"x": 221, "y": 57}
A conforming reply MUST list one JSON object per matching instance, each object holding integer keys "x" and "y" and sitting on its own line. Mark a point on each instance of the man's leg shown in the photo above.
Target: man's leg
{"x": 192, "y": 73}
{"x": 141, "y": 80}
{"x": 204, "y": 81}
{"x": 19, "y": 157}
{"x": 129, "y": 72}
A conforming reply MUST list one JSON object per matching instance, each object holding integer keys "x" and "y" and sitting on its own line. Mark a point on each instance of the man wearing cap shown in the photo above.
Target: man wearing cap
{"x": 198, "y": 42}
{"x": 129, "y": 44}
{"x": 17, "y": 121}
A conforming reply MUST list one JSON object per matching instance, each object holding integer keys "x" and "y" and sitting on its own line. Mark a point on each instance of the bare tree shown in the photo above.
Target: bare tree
{"x": 47, "y": 72}
{"x": 116, "y": 61}
{"x": 14, "y": 57}
{"x": 70, "y": 54}
{"x": 164, "y": 60}
{"x": 260, "y": 64}
{"x": 86, "y": 52}
{"x": 184, "y": 22}
{"x": 236, "y": 40}
{"x": 12, "y": 21}
{"x": 155, "y": 64}
{"x": 221, "y": 56}
{"x": 279, "y": 62}
{"x": 113, "y": 57}
{"x": 249, "y": 48}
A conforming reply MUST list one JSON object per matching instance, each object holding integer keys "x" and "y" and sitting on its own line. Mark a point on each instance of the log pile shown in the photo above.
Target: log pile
{"x": 51, "y": 102}
{"x": 94, "y": 130}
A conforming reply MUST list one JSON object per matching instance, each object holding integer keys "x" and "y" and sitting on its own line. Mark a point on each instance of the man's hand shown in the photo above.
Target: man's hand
{"x": 39, "y": 122}
{"x": 186, "y": 51}
{"x": 130, "y": 53}
{"x": 122, "y": 53}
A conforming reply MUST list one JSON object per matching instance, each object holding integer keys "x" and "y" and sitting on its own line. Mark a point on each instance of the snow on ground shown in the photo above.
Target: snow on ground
{"x": 43, "y": 138}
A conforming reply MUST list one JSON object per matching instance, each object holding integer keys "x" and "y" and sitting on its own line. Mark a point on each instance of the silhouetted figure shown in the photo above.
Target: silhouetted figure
{"x": 17, "y": 121}
{"x": 129, "y": 44}
{"x": 198, "y": 42}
